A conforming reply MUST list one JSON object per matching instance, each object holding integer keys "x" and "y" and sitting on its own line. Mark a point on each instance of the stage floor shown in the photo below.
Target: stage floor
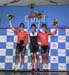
{"x": 33, "y": 73}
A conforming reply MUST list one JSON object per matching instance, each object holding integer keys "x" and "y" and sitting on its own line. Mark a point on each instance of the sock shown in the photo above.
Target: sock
{"x": 43, "y": 66}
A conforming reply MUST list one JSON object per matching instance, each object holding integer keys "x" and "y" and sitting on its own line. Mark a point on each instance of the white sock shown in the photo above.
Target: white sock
{"x": 16, "y": 67}
{"x": 43, "y": 66}
{"x": 21, "y": 66}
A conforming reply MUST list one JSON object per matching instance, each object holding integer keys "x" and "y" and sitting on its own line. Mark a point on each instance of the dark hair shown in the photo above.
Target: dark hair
{"x": 44, "y": 25}
{"x": 33, "y": 25}
{"x": 22, "y": 25}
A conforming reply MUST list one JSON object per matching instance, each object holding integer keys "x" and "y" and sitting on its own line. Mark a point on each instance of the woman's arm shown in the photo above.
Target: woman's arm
{"x": 10, "y": 23}
{"x": 52, "y": 33}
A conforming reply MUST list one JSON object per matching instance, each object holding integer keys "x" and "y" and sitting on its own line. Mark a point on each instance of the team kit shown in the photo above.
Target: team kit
{"x": 37, "y": 39}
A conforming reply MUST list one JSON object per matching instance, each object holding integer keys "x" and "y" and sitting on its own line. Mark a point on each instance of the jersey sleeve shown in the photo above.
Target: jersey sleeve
{"x": 15, "y": 30}
{"x": 49, "y": 33}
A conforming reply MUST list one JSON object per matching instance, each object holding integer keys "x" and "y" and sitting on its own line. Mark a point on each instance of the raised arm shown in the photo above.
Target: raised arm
{"x": 55, "y": 22}
{"x": 10, "y": 23}
{"x": 52, "y": 33}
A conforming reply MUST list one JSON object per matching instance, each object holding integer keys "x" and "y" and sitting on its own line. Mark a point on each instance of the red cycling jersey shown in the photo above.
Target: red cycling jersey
{"x": 43, "y": 37}
{"x": 21, "y": 36}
